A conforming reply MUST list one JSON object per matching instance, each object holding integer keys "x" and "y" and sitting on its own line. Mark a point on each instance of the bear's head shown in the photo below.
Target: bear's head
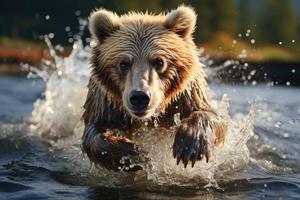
{"x": 143, "y": 62}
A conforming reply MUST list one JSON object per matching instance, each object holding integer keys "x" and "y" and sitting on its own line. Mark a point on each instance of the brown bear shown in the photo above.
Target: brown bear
{"x": 145, "y": 68}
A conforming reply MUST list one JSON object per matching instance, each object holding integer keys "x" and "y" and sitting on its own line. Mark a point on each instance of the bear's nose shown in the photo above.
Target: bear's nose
{"x": 139, "y": 100}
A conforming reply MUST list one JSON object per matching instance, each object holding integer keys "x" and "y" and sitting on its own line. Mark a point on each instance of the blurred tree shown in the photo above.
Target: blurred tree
{"x": 204, "y": 20}
{"x": 298, "y": 31}
{"x": 172, "y": 4}
{"x": 123, "y": 6}
{"x": 41, "y": 17}
{"x": 152, "y": 6}
{"x": 277, "y": 21}
{"x": 225, "y": 17}
{"x": 245, "y": 15}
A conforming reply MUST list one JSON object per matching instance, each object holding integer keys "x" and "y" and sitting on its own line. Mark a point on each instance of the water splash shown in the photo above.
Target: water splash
{"x": 60, "y": 111}
{"x": 58, "y": 117}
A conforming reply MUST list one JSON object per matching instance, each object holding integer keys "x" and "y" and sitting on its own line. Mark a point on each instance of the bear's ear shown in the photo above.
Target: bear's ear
{"x": 103, "y": 23}
{"x": 182, "y": 21}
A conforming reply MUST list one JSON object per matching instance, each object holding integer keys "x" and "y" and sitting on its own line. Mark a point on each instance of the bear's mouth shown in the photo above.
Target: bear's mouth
{"x": 141, "y": 114}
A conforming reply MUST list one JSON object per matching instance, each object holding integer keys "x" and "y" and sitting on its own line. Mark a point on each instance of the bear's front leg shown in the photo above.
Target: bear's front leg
{"x": 196, "y": 135}
{"x": 108, "y": 150}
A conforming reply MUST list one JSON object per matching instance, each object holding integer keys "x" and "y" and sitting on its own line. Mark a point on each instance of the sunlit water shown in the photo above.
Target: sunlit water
{"x": 40, "y": 154}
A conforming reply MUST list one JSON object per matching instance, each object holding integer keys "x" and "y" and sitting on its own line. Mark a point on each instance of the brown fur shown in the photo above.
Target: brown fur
{"x": 145, "y": 36}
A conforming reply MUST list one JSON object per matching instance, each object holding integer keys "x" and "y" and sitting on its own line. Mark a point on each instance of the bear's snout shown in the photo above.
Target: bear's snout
{"x": 139, "y": 101}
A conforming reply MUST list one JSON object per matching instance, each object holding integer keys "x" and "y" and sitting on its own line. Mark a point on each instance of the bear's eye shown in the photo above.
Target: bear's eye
{"x": 125, "y": 65}
{"x": 158, "y": 63}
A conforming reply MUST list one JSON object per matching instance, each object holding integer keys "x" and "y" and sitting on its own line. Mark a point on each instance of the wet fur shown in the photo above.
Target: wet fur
{"x": 183, "y": 84}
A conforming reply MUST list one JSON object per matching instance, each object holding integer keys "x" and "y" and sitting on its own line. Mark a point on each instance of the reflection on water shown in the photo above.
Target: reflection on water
{"x": 43, "y": 160}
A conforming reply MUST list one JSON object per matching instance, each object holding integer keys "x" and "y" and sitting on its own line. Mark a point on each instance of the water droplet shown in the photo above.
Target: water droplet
{"x": 177, "y": 118}
{"x": 75, "y": 45}
{"x": 285, "y": 135}
{"x": 51, "y": 35}
{"x": 243, "y": 54}
{"x": 47, "y": 17}
{"x": 67, "y": 29}
{"x": 252, "y": 72}
{"x": 77, "y": 13}
{"x": 93, "y": 43}
{"x": 278, "y": 124}
{"x": 59, "y": 48}
{"x": 70, "y": 40}
{"x": 155, "y": 123}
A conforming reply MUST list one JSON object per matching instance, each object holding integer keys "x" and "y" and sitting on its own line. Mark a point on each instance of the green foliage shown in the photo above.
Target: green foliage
{"x": 225, "y": 16}
{"x": 277, "y": 21}
{"x": 205, "y": 18}
{"x": 245, "y": 13}
{"x": 123, "y": 6}
{"x": 269, "y": 20}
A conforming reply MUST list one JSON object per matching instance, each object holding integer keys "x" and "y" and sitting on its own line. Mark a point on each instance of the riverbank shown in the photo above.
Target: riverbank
{"x": 272, "y": 72}
{"x": 275, "y": 73}
{"x": 231, "y": 60}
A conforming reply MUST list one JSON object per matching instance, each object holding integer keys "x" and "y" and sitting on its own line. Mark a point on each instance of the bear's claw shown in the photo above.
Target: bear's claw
{"x": 190, "y": 144}
{"x": 117, "y": 153}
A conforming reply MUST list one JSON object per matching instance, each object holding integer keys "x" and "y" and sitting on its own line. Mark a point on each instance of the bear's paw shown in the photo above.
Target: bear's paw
{"x": 193, "y": 139}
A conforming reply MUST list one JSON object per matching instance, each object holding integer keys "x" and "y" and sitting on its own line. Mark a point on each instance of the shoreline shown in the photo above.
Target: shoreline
{"x": 278, "y": 72}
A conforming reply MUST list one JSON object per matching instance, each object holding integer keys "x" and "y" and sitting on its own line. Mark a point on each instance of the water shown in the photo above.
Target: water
{"x": 40, "y": 155}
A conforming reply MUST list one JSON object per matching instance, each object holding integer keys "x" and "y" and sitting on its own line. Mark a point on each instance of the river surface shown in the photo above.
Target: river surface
{"x": 35, "y": 166}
